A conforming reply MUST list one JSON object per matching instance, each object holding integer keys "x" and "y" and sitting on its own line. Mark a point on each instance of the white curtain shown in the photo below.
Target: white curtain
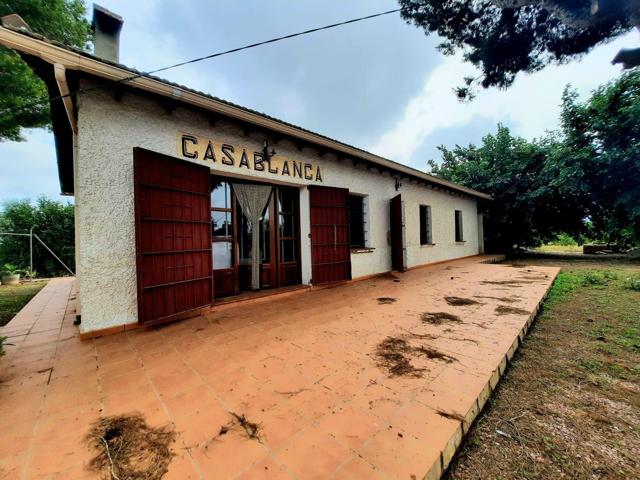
{"x": 253, "y": 199}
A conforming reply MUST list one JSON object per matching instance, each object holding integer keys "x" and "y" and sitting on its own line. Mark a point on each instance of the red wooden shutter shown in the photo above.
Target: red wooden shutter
{"x": 330, "y": 251}
{"x": 397, "y": 235}
{"x": 173, "y": 236}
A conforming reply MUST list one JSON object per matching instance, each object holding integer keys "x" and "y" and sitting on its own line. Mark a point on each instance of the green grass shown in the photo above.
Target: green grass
{"x": 560, "y": 248}
{"x": 14, "y": 297}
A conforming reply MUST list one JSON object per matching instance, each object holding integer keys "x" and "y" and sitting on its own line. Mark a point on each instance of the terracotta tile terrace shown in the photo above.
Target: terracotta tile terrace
{"x": 361, "y": 381}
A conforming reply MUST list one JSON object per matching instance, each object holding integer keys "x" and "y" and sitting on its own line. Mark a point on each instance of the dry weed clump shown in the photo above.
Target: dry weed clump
{"x": 126, "y": 448}
{"x": 251, "y": 429}
{"x": 513, "y": 299}
{"x": 434, "y": 354}
{"x": 460, "y": 302}
{"x": 437, "y": 318}
{"x": 386, "y": 300}
{"x": 395, "y": 354}
{"x": 505, "y": 310}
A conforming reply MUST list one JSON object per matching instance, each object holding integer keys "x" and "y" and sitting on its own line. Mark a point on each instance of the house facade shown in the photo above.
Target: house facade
{"x": 183, "y": 199}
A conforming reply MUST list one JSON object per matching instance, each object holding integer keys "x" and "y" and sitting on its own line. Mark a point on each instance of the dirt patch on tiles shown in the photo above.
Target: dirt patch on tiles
{"x": 505, "y": 310}
{"x": 386, "y": 300}
{"x": 460, "y": 301}
{"x": 434, "y": 354}
{"x": 126, "y": 448}
{"x": 437, "y": 318}
{"x": 390, "y": 276}
{"x": 507, "y": 283}
{"x": 450, "y": 415}
{"x": 512, "y": 299}
{"x": 395, "y": 355}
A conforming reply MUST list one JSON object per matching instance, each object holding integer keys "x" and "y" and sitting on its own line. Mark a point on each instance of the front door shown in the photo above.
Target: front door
{"x": 279, "y": 241}
{"x": 279, "y": 232}
{"x": 330, "y": 249}
{"x": 397, "y": 234}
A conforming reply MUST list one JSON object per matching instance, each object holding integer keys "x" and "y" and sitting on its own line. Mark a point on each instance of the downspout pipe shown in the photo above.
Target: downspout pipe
{"x": 60, "y": 74}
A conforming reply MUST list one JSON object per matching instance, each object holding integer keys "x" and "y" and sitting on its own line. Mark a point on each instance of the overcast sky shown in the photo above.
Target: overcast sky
{"x": 379, "y": 84}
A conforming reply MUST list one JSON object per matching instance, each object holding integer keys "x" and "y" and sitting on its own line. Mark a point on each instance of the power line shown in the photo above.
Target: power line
{"x": 200, "y": 59}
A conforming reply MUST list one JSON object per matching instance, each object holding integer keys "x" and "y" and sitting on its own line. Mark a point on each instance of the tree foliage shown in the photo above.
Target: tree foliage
{"x": 602, "y": 138}
{"x": 59, "y": 20}
{"x": 52, "y": 221}
{"x": 582, "y": 180}
{"x": 504, "y": 37}
{"x": 535, "y": 194}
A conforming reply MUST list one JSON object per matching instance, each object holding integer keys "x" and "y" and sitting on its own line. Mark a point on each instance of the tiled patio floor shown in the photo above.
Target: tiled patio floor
{"x": 303, "y": 366}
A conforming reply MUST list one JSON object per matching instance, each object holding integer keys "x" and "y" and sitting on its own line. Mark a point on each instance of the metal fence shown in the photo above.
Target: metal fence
{"x": 31, "y": 236}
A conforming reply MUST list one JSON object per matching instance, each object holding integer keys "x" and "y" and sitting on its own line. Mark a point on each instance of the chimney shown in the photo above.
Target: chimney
{"x": 15, "y": 22}
{"x": 106, "y": 27}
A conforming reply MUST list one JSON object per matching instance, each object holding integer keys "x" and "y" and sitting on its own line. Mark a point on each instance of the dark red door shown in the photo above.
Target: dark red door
{"x": 330, "y": 252}
{"x": 397, "y": 235}
{"x": 173, "y": 236}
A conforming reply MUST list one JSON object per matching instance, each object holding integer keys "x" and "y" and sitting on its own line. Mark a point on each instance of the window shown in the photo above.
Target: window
{"x": 222, "y": 225}
{"x": 425, "y": 225}
{"x": 357, "y": 221}
{"x": 459, "y": 235}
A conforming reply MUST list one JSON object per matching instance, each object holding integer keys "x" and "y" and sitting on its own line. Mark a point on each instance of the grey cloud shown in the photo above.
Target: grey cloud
{"x": 350, "y": 83}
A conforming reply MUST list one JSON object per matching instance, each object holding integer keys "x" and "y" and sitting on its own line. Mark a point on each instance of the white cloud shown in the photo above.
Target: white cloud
{"x": 530, "y": 106}
{"x": 29, "y": 168}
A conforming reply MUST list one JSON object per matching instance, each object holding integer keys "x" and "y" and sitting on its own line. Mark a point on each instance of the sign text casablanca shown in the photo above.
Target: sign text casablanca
{"x": 199, "y": 148}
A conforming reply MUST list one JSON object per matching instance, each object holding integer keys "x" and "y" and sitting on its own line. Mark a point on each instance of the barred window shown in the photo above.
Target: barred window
{"x": 425, "y": 225}
{"x": 458, "y": 219}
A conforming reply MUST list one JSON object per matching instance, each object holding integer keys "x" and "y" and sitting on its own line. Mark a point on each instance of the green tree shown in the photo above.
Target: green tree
{"x": 59, "y": 20}
{"x": 602, "y": 138}
{"x": 536, "y": 194}
{"x": 52, "y": 221}
{"x": 505, "y": 37}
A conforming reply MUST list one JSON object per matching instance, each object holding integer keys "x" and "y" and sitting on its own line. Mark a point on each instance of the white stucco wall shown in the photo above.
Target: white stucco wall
{"x": 109, "y": 130}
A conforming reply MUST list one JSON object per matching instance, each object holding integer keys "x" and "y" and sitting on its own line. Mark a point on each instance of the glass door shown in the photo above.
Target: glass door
{"x": 245, "y": 236}
{"x": 222, "y": 238}
{"x": 288, "y": 236}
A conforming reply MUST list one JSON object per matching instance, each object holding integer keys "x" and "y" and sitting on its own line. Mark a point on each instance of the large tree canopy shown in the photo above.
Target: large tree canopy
{"x": 505, "y": 37}
{"x": 581, "y": 180}
{"x": 536, "y": 194}
{"x": 60, "y": 20}
{"x": 601, "y": 136}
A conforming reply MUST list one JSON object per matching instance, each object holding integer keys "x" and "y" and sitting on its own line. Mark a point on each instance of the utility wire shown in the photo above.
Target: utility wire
{"x": 200, "y": 59}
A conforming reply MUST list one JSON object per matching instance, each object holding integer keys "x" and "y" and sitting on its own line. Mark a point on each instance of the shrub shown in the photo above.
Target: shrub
{"x": 2, "y": 340}
{"x": 9, "y": 269}
{"x": 598, "y": 277}
{"x": 564, "y": 240}
{"x": 633, "y": 282}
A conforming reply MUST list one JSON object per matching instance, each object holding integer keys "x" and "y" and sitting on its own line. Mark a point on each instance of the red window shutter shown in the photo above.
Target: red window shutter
{"x": 173, "y": 236}
{"x": 330, "y": 250}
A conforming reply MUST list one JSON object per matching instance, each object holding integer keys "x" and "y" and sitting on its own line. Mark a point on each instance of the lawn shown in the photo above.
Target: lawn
{"x": 559, "y": 248}
{"x": 569, "y": 404}
{"x": 13, "y": 298}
